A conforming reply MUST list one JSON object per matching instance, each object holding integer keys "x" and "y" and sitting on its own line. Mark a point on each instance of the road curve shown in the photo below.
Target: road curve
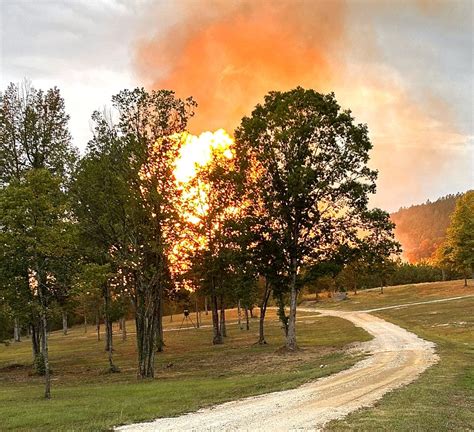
{"x": 396, "y": 358}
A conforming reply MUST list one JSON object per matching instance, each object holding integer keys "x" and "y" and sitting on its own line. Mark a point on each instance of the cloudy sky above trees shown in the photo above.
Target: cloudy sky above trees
{"x": 404, "y": 67}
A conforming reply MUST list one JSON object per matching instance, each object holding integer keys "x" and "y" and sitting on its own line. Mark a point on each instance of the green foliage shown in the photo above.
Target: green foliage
{"x": 458, "y": 249}
{"x": 33, "y": 133}
{"x": 422, "y": 228}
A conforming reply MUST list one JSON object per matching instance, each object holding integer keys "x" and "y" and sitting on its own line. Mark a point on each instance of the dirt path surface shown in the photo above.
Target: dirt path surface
{"x": 396, "y": 358}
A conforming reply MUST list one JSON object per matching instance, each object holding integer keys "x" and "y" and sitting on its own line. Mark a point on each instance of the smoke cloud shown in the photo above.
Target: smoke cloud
{"x": 228, "y": 55}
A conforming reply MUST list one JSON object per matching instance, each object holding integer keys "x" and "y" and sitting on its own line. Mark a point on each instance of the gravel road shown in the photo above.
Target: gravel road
{"x": 396, "y": 358}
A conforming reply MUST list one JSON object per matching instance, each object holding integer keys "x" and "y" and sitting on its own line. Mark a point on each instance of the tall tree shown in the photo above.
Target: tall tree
{"x": 33, "y": 132}
{"x": 313, "y": 177}
{"x": 35, "y": 230}
{"x": 131, "y": 206}
{"x": 211, "y": 206}
{"x": 458, "y": 249}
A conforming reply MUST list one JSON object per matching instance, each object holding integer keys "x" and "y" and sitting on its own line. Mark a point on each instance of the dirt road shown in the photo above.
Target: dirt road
{"x": 396, "y": 358}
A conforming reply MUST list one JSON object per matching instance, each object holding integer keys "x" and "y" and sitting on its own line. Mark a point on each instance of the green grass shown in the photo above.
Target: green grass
{"x": 190, "y": 374}
{"x": 442, "y": 399}
{"x": 394, "y": 295}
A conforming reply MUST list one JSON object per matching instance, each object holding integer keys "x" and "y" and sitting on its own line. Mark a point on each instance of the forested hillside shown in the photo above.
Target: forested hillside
{"x": 421, "y": 228}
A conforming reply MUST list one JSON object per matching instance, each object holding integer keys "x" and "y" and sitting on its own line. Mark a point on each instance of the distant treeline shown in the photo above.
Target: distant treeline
{"x": 422, "y": 228}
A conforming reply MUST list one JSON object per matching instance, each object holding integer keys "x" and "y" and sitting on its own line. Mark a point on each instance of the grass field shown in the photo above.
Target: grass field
{"x": 394, "y": 295}
{"x": 442, "y": 399}
{"x": 190, "y": 374}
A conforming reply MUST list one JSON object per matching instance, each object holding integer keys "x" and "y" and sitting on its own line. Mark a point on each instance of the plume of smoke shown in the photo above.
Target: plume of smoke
{"x": 228, "y": 55}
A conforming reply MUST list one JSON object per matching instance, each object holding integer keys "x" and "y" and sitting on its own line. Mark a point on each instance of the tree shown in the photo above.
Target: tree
{"x": 33, "y": 132}
{"x": 313, "y": 178}
{"x": 128, "y": 201}
{"x": 36, "y": 232}
{"x": 458, "y": 249}
{"x": 378, "y": 246}
{"x": 210, "y": 211}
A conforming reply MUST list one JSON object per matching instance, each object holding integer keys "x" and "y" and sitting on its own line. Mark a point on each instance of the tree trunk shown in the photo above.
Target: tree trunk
{"x": 197, "y": 312}
{"x": 85, "y": 323}
{"x": 465, "y": 281}
{"x": 16, "y": 330}
{"x": 443, "y": 274}
{"x": 263, "y": 310}
{"x": 97, "y": 324}
{"x": 35, "y": 342}
{"x": 124, "y": 328}
{"x": 291, "y": 337}
{"x": 238, "y": 315}
{"x": 160, "y": 343}
{"x": 44, "y": 338}
{"x": 247, "y": 322}
{"x": 108, "y": 329}
{"x": 355, "y": 288}
{"x": 223, "y": 327}
{"x": 205, "y": 305}
{"x": 217, "y": 335}
{"x": 64, "y": 323}
{"x": 251, "y": 311}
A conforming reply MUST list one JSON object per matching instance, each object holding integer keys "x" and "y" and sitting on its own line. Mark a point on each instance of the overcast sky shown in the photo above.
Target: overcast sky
{"x": 88, "y": 49}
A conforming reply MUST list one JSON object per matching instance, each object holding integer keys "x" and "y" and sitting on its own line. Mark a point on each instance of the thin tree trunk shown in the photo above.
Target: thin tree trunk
{"x": 124, "y": 328}
{"x": 35, "y": 342}
{"x": 205, "y": 305}
{"x": 97, "y": 324}
{"x": 217, "y": 335}
{"x": 85, "y": 323}
{"x": 238, "y": 315}
{"x": 251, "y": 311}
{"x": 465, "y": 281}
{"x": 223, "y": 326}
{"x": 64, "y": 323}
{"x": 159, "y": 333}
{"x": 263, "y": 310}
{"x": 291, "y": 337}
{"x": 108, "y": 329}
{"x": 197, "y": 312}
{"x": 16, "y": 330}
{"x": 247, "y": 323}
{"x": 44, "y": 338}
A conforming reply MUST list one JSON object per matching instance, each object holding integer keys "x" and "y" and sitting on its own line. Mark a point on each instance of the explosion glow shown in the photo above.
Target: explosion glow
{"x": 197, "y": 151}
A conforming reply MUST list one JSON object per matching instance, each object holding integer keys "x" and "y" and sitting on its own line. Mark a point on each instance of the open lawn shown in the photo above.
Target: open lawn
{"x": 442, "y": 399}
{"x": 393, "y": 295}
{"x": 190, "y": 374}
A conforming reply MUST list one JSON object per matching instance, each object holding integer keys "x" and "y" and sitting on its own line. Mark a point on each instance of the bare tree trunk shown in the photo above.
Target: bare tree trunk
{"x": 263, "y": 310}
{"x": 217, "y": 335}
{"x": 247, "y": 323}
{"x": 124, "y": 328}
{"x": 465, "y": 280}
{"x": 291, "y": 337}
{"x": 108, "y": 329}
{"x": 160, "y": 343}
{"x": 205, "y": 305}
{"x": 355, "y": 288}
{"x": 223, "y": 326}
{"x": 97, "y": 325}
{"x": 238, "y": 315}
{"x": 197, "y": 312}
{"x": 44, "y": 338}
{"x": 64, "y": 323}
{"x": 35, "y": 342}
{"x": 251, "y": 311}
{"x": 16, "y": 330}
